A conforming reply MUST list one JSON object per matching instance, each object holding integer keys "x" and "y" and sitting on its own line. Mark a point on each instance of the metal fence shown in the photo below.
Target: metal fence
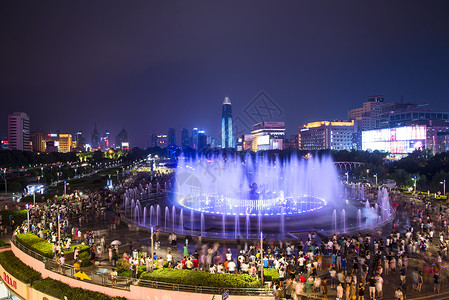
{"x": 101, "y": 278}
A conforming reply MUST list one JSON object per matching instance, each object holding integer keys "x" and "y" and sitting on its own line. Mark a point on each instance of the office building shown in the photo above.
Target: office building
{"x": 195, "y": 138}
{"x": 185, "y": 138}
{"x": 19, "y": 131}
{"x": 38, "y": 142}
{"x": 171, "y": 136}
{"x": 121, "y": 140}
{"x": 268, "y": 136}
{"x": 227, "y": 139}
{"x": 202, "y": 140}
{"x": 95, "y": 138}
{"x": 326, "y": 135}
{"x": 159, "y": 140}
{"x": 65, "y": 142}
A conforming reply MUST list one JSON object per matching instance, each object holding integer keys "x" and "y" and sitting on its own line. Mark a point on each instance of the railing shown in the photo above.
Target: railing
{"x": 124, "y": 283}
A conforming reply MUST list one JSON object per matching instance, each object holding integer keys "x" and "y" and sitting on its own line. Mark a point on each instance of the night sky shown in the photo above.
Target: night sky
{"x": 147, "y": 66}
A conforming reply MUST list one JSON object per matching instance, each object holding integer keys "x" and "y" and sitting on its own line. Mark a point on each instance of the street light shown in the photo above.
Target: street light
{"x": 28, "y": 217}
{"x": 59, "y": 230}
{"x": 375, "y": 176}
{"x": 261, "y": 255}
{"x": 152, "y": 244}
{"x": 414, "y": 184}
{"x": 347, "y": 177}
{"x": 444, "y": 186}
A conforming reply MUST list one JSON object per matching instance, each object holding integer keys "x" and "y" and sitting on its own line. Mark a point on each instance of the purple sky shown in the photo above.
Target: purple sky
{"x": 147, "y": 66}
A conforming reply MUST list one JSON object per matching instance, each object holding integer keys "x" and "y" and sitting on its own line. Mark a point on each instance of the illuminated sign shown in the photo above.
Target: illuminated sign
{"x": 263, "y": 140}
{"x": 395, "y": 140}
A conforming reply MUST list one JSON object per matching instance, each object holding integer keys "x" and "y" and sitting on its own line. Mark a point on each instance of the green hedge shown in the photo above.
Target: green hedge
{"x": 271, "y": 274}
{"x": 2, "y": 243}
{"x": 17, "y": 268}
{"x": 200, "y": 278}
{"x": 18, "y": 215}
{"x": 59, "y": 290}
{"x": 41, "y": 246}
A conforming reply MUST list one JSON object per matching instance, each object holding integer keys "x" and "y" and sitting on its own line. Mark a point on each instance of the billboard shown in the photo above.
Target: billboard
{"x": 399, "y": 140}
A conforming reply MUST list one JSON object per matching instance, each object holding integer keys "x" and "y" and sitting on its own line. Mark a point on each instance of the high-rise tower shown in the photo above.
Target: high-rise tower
{"x": 19, "y": 131}
{"x": 227, "y": 140}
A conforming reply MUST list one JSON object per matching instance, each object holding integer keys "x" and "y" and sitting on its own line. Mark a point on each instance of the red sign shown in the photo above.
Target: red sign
{"x": 9, "y": 281}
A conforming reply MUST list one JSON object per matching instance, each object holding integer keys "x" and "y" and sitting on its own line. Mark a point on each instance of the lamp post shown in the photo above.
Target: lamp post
{"x": 375, "y": 176}
{"x": 65, "y": 188}
{"x": 261, "y": 256}
{"x": 414, "y": 184}
{"x": 59, "y": 230}
{"x": 444, "y": 186}
{"x": 347, "y": 177}
{"x": 42, "y": 171}
{"x": 152, "y": 243}
{"x": 6, "y": 184}
{"x": 28, "y": 217}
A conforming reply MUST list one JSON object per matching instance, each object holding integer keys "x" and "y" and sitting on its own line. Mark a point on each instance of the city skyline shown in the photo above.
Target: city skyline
{"x": 118, "y": 69}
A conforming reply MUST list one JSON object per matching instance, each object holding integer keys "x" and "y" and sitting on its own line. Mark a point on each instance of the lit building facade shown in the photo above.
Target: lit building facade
{"x": 38, "y": 141}
{"x": 121, "y": 140}
{"x": 19, "y": 131}
{"x": 195, "y": 138}
{"x": 227, "y": 139}
{"x": 268, "y": 136}
{"x": 65, "y": 142}
{"x": 159, "y": 140}
{"x": 326, "y": 135}
{"x": 400, "y": 140}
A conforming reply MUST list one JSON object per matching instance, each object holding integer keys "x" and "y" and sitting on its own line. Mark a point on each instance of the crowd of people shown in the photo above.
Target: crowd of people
{"x": 352, "y": 267}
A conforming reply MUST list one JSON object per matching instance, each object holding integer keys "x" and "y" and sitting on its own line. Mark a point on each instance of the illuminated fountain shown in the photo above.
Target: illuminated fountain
{"x": 237, "y": 197}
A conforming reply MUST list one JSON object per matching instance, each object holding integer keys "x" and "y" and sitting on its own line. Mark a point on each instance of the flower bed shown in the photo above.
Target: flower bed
{"x": 200, "y": 278}
{"x": 41, "y": 246}
{"x": 17, "y": 268}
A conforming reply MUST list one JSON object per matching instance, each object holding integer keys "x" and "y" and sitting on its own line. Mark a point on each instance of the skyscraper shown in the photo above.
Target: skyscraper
{"x": 171, "y": 136}
{"x": 226, "y": 125}
{"x": 19, "y": 131}
{"x": 121, "y": 141}
{"x": 202, "y": 140}
{"x": 95, "y": 138}
{"x": 195, "y": 138}
{"x": 185, "y": 139}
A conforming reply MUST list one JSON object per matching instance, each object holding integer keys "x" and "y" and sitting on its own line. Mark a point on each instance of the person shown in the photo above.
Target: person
{"x": 134, "y": 271}
{"x": 170, "y": 259}
{"x": 436, "y": 282}
{"x": 379, "y": 285}
{"x": 113, "y": 275}
{"x": 361, "y": 291}
{"x": 420, "y": 281}
{"x": 372, "y": 288}
{"x": 275, "y": 292}
{"x": 339, "y": 292}
{"x": 398, "y": 295}
{"x": 324, "y": 288}
{"x": 77, "y": 266}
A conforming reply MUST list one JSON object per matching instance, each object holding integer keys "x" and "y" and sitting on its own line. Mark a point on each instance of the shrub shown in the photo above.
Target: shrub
{"x": 84, "y": 259}
{"x": 271, "y": 275}
{"x": 3, "y": 244}
{"x": 41, "y": 246}
{"x": 17, "y": 268}
{"x": 59, "y": 290}
{"x": 198, "y": 278}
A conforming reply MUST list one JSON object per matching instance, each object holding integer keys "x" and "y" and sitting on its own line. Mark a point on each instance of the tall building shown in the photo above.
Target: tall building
{"x": 171, "y": 136}
{"x": 121, "y": 140}
{"x": 159, "y": 140}
{"x": 268, "y": 136}
{"x": 38, "y": 142}
{"x": 19, "y": 131}
{"x": 95, "y": 138}
{"x": 227, "y": 139}
{"x": 195, "y": 138}
{"x": 80, "y": 141}
{"x": 65, "y": 142}
{"x": 185, "y": 138}
{"x": 326, "y": 135}
{"x": 202, "y": 140}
